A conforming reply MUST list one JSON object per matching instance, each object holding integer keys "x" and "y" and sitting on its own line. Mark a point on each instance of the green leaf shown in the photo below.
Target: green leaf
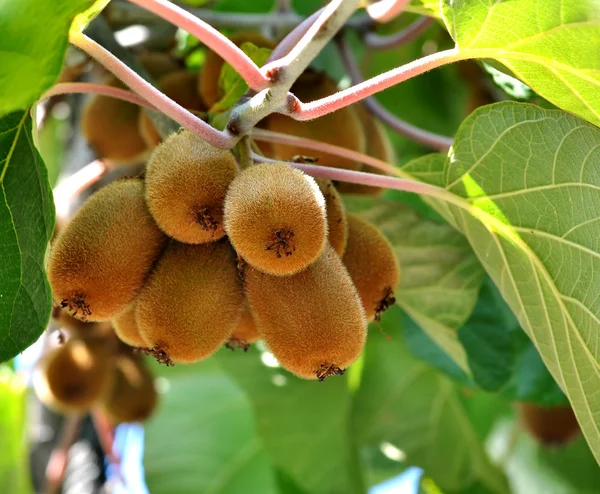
{"x": 522, "y": 184}
{"x": 232, "y": 83}
{"x": 403, "y": 401}
{"x": 440, "y": 275}
{"x": 203, "y": 438}
{"x": 26, "y": 226}
{"x": 32, "y": 47}
{"x": 551, "y": 46}
{"x": 304, "y": 425}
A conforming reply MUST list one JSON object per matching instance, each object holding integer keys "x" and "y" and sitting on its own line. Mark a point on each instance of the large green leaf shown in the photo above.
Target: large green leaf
{"x": 552, "y": 46}
{"x": 304, "y": 425}
{"x": 203, "y": 438}
{"x": 26, "y": 225}
{"x": 403, "y": 401}
{"x": 32, "y": 47}
{"x": 440, "y": 277}
{"x": 523, "y": 184}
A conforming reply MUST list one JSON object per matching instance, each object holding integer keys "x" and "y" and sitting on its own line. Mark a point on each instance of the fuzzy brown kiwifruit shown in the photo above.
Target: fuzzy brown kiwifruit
{"x": 373, "y": 266}
{"x": 208, "y": 79}
{"x": 191, "y": 303}
{"x": 275, "y": 218}
{"x": 340, "y": 128}
{"x": 312, "y": 321}
{"x": 245, "y": 333}
{"x": 550, "y": 426}
{"x": 378, "y": 146}
{"x": 74, "y": 376}
{"x": 186, "y": 183}
{"x": 133, "y": 396}
{"x": 110, "y": 126}
{"x": 336, "y": 216}
{"x": 126, "y": 329}
{"x": 101, "y": 259}
{"x": 158, "y": 64}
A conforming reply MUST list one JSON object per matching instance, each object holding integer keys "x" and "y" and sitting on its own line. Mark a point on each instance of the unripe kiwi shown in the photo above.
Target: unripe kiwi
{"x": 378, "y": 146}
{"x": 373, "y": 266}
{"x": 101, "y": 259}
{"x": 133, "y": 396}
{"x": 110, "y": 126}
{"x": 126, "y": 329}
{"x": 337, "y": 224}
{"x": 245, "y": 333}
{"x": 551, "y": 426}
{"x": 341, "y": 128}
{"x": 75, "y": 375}
{"x": 186, "y": 183}
{"x": 312, "y": 321}
{"x": 275, "y": 218}
{"x": 191, "y": 303}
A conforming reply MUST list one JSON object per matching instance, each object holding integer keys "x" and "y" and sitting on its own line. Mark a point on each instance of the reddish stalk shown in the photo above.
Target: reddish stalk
{"x": 286, "y": 44}
{"x": 106, "y": 436}
{"x": 57, "y": 464}
{"x": 413, "y": 31}
{"x": 386, "y": 10}
{"x": 103, "y": 89}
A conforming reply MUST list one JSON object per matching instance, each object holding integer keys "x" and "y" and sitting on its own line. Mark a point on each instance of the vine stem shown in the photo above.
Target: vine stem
{"x": 106, "y": 436}
{"x": 386, "y": 10}
{"x": 412, "y": 31}
{"x": 149, "y": 92}
{"x": 103, "y": 89}
{"x": 212, "y": 38}
{"x": 286, "y": 44}
{"x": 57, "y": 464}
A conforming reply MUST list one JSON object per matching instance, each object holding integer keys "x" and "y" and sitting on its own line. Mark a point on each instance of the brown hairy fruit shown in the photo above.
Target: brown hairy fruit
{"x": 208, "y": 79}
{"x": 275, "y": 218}
{"x": 74, "y": 376}
{"x": 312, "y": 321}
{"x": 126, "y": 329}
{"x": 550, "y": 426}
{"x": 191, "y": 303}
{"x": 158, "y": 64}
{"x": 102, "y": 258}
{"x": 186, "y": 183}
{"x": 378, "y": 146}
{"x": 133, "y": 396}
{"x": 341, "y": 128}
{"x": 337, "y": 224}
{"x": 110, "y": 126}
{"x": 245, "y": 333}
{"x": 373, "y": 266}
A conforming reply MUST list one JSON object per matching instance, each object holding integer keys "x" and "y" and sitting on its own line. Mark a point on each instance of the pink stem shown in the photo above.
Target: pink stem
{"x": 287, "y": 43}
{"x": 57, "y": 464}
{"x": 341, "y": 99}
{"x": 151, "y": 94}
{"x": 68, "y": 189}
{"x": 212, "y": 38}
{"x": 90, "y": 87}
{"x": 269, "y": 136}
{"x": 106, "y": 436}
{"x": 413, "y": 31}
{"x": 386, "y": 10}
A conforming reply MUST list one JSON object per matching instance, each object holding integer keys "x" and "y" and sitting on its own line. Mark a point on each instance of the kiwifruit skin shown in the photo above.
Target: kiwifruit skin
{"x": 371, "y": 262}
{"x": 106, "y": 252}
{"x": 126, "y": 329}
{"x": 337, "y": 224}
{"x": 268, "y": 198}
{"x": 192, "y": 302}
{"x": 246, "y": 331}
{"x": 158, "y": 64}
{"x": 64, "y": 385}
{"x": 311, "y": 318}
{"x": 550, "y": 426}
{"x": 133, "y": 396}
{"x": 185, "y": 175}
{"x": 110, "y": 126}
{"x": 341, "y": 128}
{"x": 378, "y": 146}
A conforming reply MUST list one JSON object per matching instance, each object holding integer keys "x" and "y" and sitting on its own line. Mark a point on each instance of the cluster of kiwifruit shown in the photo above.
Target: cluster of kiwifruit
{"x": 88, "y": 368}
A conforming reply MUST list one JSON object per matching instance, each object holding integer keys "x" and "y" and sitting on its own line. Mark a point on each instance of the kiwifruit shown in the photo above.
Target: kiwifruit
{"x": 126, "y": 329}
{"x": 378, "y": 146}
{"x": 312, "y": 321}
{"x": 245, "y": 333}
{"x": 373, "y": 266}
{"x": 336, "y": 216}
{"x": 191, "y": 303}
{"x": 551, "y": 426}
{"x": 133, "y": 396}
{"x": 74, "y": 376}
{"x": 101, "y": 259}
{"x": 110, "y": 126}
{"x": 208, "y": 79}
{"x": 341, "y": 128}
{"x": 186, "y": 183}
{"x": 158, "y": 64}
{"x": 275, "y": 218}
